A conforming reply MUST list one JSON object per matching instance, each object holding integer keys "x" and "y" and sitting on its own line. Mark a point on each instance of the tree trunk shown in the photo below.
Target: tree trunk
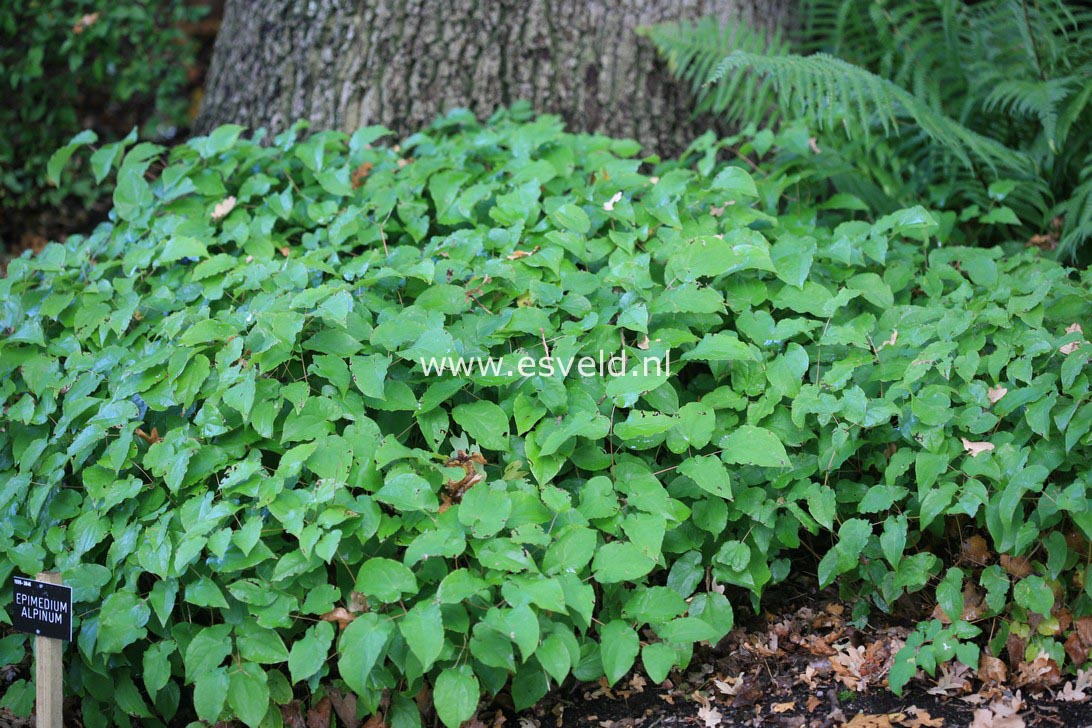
{"x": 401, "y": 63}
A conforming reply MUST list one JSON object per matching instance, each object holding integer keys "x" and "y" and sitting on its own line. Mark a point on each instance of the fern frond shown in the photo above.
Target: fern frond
{"x": 909, "y": 43}
{"x": 1033, "y": 98}
{"x": 830, "y": 90}
{"x": 964, "y": 92}
{"x": 1077, "y": 215}
{"x": 692, "y": 51}
{"x": 1074, "y": 111}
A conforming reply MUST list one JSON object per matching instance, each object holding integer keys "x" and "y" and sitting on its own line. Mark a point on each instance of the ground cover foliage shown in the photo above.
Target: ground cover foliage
{"x": 216, "y": 425}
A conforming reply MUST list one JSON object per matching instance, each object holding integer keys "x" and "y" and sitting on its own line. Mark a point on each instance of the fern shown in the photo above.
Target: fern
{"x": 964, "y": 93}
{"x": 829, "y": 90}
{"x": 693, "y": 49}
{"x": 1077, "y": 212}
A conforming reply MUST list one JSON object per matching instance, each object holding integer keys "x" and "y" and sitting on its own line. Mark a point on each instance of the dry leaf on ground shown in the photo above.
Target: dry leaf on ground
{"x": 876, "y": 720}
{"x": 223, "y": 207}
{"x": 974, "y": 449}
{"x": 1073, "y": 345}
{"x": 996, "y": 393}
{"x": 1003, "y": 713}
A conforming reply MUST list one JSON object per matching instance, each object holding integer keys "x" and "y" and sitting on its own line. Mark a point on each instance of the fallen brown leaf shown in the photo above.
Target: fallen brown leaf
{"x": 952, "y": 680}
{"x": 1002, "y": 713}
{"x": 1042, "y": 672}
{"x": 875, "y": 720}
{"x": 457, "y": 488}
{"x": 345, "y": 707}
{"x": 292, "y": 715}
{"x": 223, "y": 207}
{"x": 341, "y": 615}
{"x": 319, "y": 715}
{"x": 150, "y": 438}
{"x": 358, "y": 602}
{"x": 1073, "y": 345}
{"x": 890, "y": 341}
{"x": 1076, "y": 690}
{"x": 859, "y": 667}
{"x": 1017, "y": 566}
{"x": 996, "y": 393}
{"x": 975, "y": 550}
{"x": 85, "y": 22}
{"x": 922, "y": 719}
{"x": 974, "y": 449}
{"x": 991, "y": 669}
{"x": 361, "y": 173}
{"x": 710, "y": 716}
{"x": 517, "y": 254}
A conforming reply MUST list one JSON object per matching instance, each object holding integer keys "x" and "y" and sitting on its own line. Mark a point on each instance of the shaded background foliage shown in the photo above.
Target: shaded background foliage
{"x": 72, "y": 65}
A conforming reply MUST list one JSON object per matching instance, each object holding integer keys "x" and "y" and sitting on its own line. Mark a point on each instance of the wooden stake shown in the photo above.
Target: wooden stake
{"x": 48, "y": 672}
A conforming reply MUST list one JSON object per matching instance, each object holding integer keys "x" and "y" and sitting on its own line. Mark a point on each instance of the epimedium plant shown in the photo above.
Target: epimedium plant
{"x": 218, "y": 428}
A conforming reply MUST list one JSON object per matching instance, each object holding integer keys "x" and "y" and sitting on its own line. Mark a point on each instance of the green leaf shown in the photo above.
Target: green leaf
{"x": 221, "y": 139}
{"x": 618, "y": 648}
{"x": 792, "y": 258}
{"x": 687, "y": 629}
{"x": 369, "y": 373}
{"x": 121, "y": 621}
{"x": 905, "y": 665}
{"x": 407, "y": 492}
{"x": 1034, "y": 594}
{"x": 822, "y": 504}
{"x": 735, "y": 182}
{"x": 721, "y": 346}
{"x": 554, "y": 657}
{"x": 309, "y": 654}
{"x": 385, "y": 579}
{"x": 209, "y": 694}
{"x": 207, "y": 650}
{"x": 179, "y": 247}
{"x": 455, "y": 695}
{"x": 485, "y": 423}
{"x": 424, "y": 632}
{"x": 262, "y": 646}
{"x": 619, "y": 561}
{"x": 749, "y": 445}
{"x": 132, "y": 194}
{"x": 248, "y": 693}
{"x": 362, "y": 646}
{"x": 60, "y": 158}
{"x": 658, "y": 659}
{"x": 710, "y": 475}
{"x": 712, "y": 256}
{"x": 571, "y": 551}
{"x": 156, "y": 666}
{"x": 570, "y": 217}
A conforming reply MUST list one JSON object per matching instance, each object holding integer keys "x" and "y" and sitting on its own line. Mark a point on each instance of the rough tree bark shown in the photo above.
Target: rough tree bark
{"x": 347, "y": 63}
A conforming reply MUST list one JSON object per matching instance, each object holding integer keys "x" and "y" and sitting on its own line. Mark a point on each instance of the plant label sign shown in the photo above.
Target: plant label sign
{"x": 42, "y": 609}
